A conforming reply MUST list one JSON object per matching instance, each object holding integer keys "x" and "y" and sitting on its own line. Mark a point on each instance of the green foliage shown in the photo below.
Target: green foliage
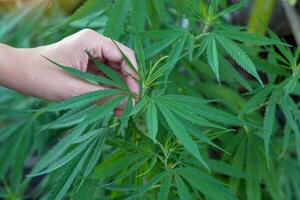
{"x": 200, "y": 128}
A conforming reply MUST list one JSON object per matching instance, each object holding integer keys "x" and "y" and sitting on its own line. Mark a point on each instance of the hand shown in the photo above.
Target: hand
{"x": 35, "y": 76}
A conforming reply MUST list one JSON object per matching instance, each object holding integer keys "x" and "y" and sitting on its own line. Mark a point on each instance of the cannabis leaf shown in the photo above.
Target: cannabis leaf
{"x": 181, "y": 133}
{"x": 268, "y": 122}
{"x": 151, "y": 119}
{"x": 212, "y": 55}
{"x": 117, "y": 19}
{"x": 239, "y": 56}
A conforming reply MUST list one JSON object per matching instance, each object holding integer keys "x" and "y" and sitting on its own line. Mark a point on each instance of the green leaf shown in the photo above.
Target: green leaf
{"x": 238, "y": 162}
{"x": 180, "y": 132}
{"x": 297, "y": 136}
{"x": 239, "y": 56}
{"x": 81, "y": 100}
{"x": 216, "y": 115}
{"x": 165, "y": 188}
{"x": 125, "y": 114}
{"x": 139, "y": 15}
{"x": 190, "y": 45}
{"x": 117, "y": 18}
{"x": 11, "y": 20}
{"x": 226, "y": 169}
{"x": 139, "y": 51}
{"x": 71, "y": 171}
{"x": 8, "y": 131}
{"x": 160, "y": 9}
{"x": 151, "y": 120}
{"x": 95, "y": 156}
{"x": 267, "y": 67}
{"x": 201, "y": 136}
{"x": 23, "y": 32}
{"x": 9, "y": 153}
{"x": 139, "y": 106}
{"x": 253, "y": 181}
{"x": 24, "y": 148}
{"x": 232, "y": 8}
{"x": 185, "y": 99}
{"x": 83, "y": 75}
{"x": 187, "y": 171}
{"x": 151, "y": 165}
{"x": 189, "y": 115}
{"x": 88, "y": 7}
{"x": 118, "y": 81}
{"x": 57, "y": 151}
{"x": 70, "y": 118}
{"x": 270, "y": 178}
{"x": 256, "y": 100}
{"x": 183, "y": 191}
{"x": 287, "y": 54}
{"x": 102, "y": 110}
{"x": 202, "y": 47}
{"x": 148, "y": 185}
{"x": 157, "y": 47}
{"x": 114, "y": 164}
{"x": 126, "y": 59}
{"x": 94, "y": 20}
{"x": 133, "y": 168}
{"x": 209, "y": 186}
{"x": 63, "y": 160}
{"x": 87, "y": 136}
{"x": 291, "y": 122}
{"x": 212, "y": 8}
{"x": 268, "y": 122}
{"x": 121, "y": 188}
{"x": 235, "y": 74}
{"x": 294, "y": 107}
{"x": 212, "y": 55}
{"x": 286, "y": 140}
{"x": 290, "y": 86}
{"x": 249, "y": 38}
{"x": 288, "y": 115}
{"x": 175, "y": 54}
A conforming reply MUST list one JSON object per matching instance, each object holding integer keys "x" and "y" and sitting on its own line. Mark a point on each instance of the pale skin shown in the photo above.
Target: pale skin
{"x": 28, "y": 72}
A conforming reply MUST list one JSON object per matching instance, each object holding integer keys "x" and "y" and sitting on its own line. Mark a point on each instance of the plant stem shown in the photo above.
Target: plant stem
{"x": 205, "y": 30}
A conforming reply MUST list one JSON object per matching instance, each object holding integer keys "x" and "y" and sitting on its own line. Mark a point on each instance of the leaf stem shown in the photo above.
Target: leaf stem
{"x": 204, "y": 32}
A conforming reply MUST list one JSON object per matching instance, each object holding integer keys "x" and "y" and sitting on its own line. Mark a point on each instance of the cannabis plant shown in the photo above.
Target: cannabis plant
{"x": 217, "y": 115}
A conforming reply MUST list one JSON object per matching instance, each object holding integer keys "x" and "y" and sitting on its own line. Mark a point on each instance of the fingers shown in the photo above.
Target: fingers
{"x": 118, "y": 112}
{"x": 107, "y": 51}
{"x": 113, "y": 54}
{"x": 132, "y": 84}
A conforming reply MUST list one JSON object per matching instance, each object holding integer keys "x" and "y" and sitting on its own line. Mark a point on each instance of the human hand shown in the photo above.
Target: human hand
{"x": 40, "y": 78}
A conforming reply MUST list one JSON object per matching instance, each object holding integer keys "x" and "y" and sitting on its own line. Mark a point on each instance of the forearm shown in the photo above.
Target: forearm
{"x": 26, "y": 71}
{"x": 9, "y": 73}
{"x": 17, "y": 70}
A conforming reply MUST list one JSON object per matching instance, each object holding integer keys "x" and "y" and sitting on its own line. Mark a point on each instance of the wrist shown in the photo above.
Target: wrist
{"x": 6, "y": 52}
{"x": 15, "y": 68}
{"x": 8, "y": 59}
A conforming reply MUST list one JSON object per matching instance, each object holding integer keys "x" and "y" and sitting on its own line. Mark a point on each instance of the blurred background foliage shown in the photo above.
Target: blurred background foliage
{"x": 280, "y": 15}
{"x": 27, "y": 24}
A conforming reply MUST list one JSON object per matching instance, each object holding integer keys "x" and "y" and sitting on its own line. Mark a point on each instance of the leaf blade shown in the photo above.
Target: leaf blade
{"x": 212, "y": 56}
{"x": 182, "y": 135}
{"x": 239, "y": 56}
{"x": 151, "y": 120}
{"x": 268, "y": 122}
{"x": 80, "y": 100}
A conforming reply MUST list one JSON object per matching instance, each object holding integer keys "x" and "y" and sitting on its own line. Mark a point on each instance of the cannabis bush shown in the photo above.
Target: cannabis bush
{"x": 217, "y": 116}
